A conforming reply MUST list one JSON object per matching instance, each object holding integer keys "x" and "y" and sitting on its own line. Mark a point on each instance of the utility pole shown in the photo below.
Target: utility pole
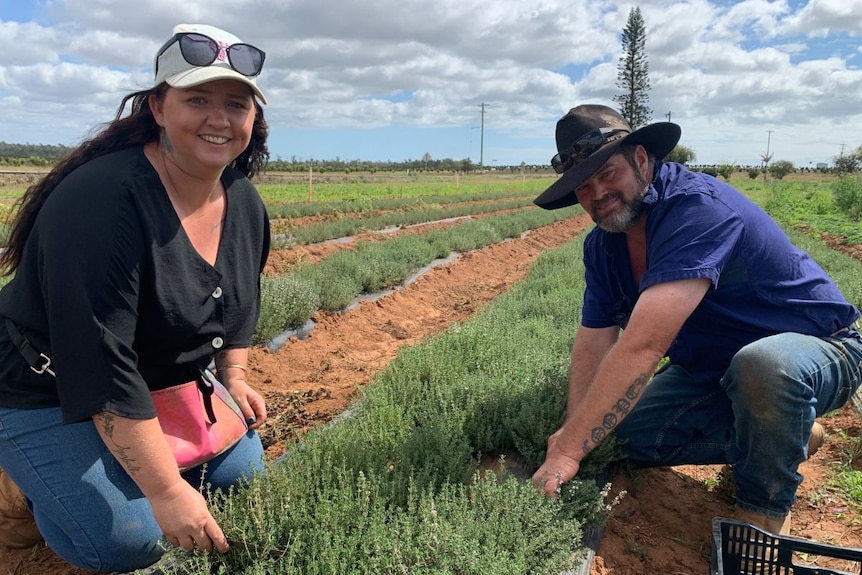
{"x": 482, "y": 106}
{"x": 768, "y": 139}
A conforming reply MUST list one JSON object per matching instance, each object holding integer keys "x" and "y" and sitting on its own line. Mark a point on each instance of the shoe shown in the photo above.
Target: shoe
{"x": 774, "y": 526}
{"x": 17, "y": 527}
{"x": 818, "y": 437}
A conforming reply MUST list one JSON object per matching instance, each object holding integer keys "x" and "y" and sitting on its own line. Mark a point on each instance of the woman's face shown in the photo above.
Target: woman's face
{"x": 205, "y": 127}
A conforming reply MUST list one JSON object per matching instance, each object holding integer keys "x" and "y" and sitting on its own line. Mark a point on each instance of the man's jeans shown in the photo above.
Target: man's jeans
{"x": 758, "y": 418}
{"x": 86, "y": 506}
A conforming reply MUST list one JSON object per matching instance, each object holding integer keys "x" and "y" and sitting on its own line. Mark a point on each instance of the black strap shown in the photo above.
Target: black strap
{"x": 38, "y": 361}
{"x": 207, "y": 388}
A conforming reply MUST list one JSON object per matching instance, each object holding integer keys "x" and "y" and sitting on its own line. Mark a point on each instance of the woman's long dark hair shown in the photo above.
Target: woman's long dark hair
{"x": 136, "y": 129}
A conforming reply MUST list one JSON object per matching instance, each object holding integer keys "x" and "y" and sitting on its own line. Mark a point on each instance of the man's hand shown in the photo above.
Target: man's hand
{"x": 559, "y": 467}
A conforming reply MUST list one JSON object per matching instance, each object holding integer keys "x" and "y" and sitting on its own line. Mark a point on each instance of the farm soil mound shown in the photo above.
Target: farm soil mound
{"x": 662, "y": 525}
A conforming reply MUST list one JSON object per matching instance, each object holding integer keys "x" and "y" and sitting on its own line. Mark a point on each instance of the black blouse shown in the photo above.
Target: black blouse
{"x": 111, "y": 288}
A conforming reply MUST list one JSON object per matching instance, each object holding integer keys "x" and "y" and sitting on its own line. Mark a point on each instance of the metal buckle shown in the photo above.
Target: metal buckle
{"x": 46, "y": 367}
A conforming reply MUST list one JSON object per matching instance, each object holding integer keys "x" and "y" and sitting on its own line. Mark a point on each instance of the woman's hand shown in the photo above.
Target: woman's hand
{"x": 231, "y": 365}
{"x": 182, "y": 513}
{"x": 250, "y": 402}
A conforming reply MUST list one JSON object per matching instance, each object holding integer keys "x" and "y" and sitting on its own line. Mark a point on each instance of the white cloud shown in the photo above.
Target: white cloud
{"x": 728, "y": 73}
{"x": 820, "y": 17}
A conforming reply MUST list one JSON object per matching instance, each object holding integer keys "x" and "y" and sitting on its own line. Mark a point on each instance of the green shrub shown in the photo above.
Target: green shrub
{"x": 285, "y": 302}
{"x": 784, "y": 202}
{"x": 847, "y": 191}
{"x": 726, "y": 170}
{"x": 335, "y": 279}
{"x": 781, "y": 168}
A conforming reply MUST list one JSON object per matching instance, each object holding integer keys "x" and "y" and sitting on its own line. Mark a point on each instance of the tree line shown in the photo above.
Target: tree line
{"x": 31, "y": 154}
{"x": 45, "y": 155}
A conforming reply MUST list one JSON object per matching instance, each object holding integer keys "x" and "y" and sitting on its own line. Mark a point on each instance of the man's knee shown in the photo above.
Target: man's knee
{"x": 759, "y": 365}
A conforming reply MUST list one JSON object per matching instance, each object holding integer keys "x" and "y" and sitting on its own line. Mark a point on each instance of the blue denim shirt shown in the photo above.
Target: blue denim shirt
{"x": 700, "y": 227}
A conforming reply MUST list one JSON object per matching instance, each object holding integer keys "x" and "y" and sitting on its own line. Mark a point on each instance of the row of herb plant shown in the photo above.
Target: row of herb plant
{"x": 332, "y": 284}
{"x": 332, "y": 229}
{"x": 393, "y": 486}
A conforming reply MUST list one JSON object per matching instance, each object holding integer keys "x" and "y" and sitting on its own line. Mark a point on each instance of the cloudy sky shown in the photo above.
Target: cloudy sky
{"x": 394, "y": 79}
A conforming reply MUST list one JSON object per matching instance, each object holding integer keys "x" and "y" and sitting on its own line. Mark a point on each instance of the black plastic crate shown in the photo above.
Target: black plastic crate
{"x": 741, "y": 549}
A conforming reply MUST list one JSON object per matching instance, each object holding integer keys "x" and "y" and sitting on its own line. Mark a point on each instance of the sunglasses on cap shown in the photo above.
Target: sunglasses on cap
{"x": 201, "y": 50}
{"x": 585, "y": 146}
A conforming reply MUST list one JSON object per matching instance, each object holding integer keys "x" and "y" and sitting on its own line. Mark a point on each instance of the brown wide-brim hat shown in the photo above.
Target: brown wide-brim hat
{"x": 658, "y": 139}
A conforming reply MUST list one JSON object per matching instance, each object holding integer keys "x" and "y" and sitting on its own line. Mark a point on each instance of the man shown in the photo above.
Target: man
{"x": 759, "y": 340}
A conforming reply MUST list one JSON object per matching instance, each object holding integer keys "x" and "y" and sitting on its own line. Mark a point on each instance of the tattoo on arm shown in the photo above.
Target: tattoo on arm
{"x": 121, "y": 452}
{"x": 612, "y": 418}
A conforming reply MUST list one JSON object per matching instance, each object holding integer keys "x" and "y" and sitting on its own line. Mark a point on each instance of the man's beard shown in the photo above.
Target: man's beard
{"x": 624, "y": 218}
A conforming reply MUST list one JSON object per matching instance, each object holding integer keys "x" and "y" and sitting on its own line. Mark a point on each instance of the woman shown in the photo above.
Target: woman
{"x": 137, "y": 264}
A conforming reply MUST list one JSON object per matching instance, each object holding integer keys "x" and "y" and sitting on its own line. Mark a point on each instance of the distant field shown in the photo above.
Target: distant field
{"x": 291, "y": 188}
{"x": 282, "y": 187}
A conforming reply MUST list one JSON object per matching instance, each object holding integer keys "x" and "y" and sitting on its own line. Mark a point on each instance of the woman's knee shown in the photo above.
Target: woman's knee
{"x": 107, "y": 551}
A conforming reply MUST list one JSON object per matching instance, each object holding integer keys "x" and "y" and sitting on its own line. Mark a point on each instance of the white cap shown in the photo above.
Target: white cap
{"x": 171, "y": 67}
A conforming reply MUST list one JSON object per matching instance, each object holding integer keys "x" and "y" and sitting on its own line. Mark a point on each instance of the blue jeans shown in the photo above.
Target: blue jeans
{"x": 86, "y": 506}
{"x": 758, "y": 417}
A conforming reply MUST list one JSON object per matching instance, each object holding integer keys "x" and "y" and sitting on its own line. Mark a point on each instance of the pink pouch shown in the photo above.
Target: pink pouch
{"x": 199, "y": 419}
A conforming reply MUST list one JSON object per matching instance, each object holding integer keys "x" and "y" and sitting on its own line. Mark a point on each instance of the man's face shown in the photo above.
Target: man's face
{"x": 613, "y": 196}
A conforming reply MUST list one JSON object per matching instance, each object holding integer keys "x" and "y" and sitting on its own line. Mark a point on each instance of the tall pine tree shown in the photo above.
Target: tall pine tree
{"x": 633, "y": 73}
